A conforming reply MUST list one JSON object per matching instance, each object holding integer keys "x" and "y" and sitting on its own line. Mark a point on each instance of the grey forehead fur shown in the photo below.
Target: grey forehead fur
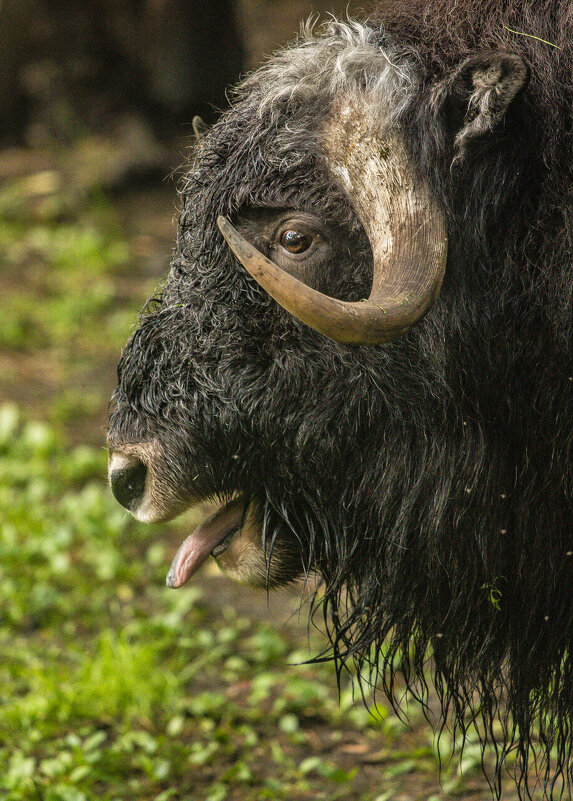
{"x": 334, "y": 58}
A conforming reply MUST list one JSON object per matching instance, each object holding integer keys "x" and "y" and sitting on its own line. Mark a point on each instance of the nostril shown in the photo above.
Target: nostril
{"x": 127, "y": 481}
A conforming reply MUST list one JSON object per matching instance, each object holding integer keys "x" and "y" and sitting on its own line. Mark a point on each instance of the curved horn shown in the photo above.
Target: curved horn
{"x": 199, "y": 126}
{"x": 403, "y": 221}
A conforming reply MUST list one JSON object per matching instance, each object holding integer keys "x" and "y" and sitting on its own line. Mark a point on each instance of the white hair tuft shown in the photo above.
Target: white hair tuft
{"x": 333, "y": 58}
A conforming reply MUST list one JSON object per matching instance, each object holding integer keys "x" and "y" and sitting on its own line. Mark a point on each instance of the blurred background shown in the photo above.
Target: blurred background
{"x": 111, "y": 686}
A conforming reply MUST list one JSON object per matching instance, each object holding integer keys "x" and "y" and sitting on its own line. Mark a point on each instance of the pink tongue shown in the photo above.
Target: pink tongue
{"x": 198, "y": 545}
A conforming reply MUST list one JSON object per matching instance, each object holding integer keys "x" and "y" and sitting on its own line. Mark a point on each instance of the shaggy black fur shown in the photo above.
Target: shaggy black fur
{"x": 428, "y": 481}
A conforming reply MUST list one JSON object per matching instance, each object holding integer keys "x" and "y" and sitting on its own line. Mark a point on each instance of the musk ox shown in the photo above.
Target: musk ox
{"x": 364, "y": 352}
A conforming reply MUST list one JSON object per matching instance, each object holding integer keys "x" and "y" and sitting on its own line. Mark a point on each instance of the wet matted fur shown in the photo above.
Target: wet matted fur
{"x": 429, "y": 481}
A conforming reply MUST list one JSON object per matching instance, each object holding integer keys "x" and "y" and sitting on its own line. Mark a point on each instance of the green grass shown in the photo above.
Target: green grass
{"x": 71, "y": 287}
{"x": 68, "y": 269}
{"x": 113, "y": 687}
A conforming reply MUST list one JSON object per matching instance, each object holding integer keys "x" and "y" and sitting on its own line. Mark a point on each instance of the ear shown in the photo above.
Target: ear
{"x": 478, "y": 95}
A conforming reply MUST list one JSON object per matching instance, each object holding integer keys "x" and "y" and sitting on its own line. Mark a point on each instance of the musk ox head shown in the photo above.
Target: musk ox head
{"x": 357, "y": 406}
{"x": 312, "y": 167}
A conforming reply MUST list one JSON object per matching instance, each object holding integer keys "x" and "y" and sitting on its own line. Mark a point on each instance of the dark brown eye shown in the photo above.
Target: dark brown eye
{"x": 295, "y": 242}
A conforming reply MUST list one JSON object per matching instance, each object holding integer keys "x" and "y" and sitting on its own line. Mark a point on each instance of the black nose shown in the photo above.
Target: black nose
{"x": 127, "y": 479}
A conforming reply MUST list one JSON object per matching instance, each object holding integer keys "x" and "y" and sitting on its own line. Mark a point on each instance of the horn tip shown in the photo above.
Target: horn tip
{"x": 238, "y": 245}
{"x": 223, "y": 224}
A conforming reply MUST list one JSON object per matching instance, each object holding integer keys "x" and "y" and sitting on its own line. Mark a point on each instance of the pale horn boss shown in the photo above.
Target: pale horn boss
{"x": 404, "y": 223}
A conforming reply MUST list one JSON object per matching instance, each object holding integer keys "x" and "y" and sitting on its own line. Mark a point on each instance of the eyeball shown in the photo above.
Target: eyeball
{"x": 295, "y": 242}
